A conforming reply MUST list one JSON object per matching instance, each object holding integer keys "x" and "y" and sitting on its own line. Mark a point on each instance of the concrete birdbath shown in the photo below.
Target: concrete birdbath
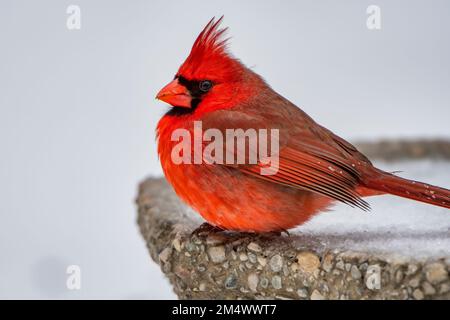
{"x": 400, "y": 250}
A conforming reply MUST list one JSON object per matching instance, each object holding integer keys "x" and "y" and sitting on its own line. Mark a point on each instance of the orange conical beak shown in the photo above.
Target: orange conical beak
{"x": 175, "y": 94}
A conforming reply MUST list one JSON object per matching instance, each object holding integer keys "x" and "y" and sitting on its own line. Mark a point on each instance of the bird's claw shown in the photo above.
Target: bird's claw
{"x": 205, "y": 229}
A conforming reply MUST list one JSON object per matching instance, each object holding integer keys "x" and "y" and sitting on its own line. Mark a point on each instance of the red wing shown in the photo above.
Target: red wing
{"x": 310, "y": 157}
{"x": 322, "y": 174}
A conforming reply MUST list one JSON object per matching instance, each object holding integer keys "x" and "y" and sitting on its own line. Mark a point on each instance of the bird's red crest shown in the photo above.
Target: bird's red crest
{"x": 209, "y": 58}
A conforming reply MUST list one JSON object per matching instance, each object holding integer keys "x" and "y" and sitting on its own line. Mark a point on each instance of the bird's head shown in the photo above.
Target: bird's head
{"x": 210, "y": 78}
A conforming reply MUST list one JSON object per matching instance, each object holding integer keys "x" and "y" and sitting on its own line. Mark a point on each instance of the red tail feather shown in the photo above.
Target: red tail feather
{"x": 388, "y": 183}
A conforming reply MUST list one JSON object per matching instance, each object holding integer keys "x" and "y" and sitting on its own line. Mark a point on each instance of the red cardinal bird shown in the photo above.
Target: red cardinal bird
{"x": 316, "y": 168}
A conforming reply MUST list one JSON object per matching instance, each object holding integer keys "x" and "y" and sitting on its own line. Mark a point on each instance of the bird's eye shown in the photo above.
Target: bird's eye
{"x": 205, "y": 85}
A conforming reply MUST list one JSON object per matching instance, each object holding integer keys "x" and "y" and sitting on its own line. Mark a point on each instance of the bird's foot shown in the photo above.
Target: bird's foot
{"x": 204, "y": 229}
{"x": 279, "y": 233}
